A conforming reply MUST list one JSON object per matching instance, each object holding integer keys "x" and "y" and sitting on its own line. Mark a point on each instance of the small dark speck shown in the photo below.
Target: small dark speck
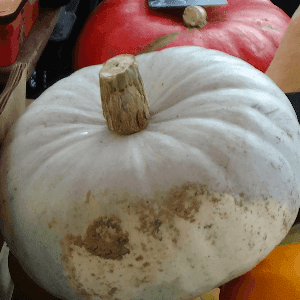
{"x": 157, "y": 224}
{"x": 139, "y": 258}
{"x": 208, "y": 226}
{"x": 112, "y": 291}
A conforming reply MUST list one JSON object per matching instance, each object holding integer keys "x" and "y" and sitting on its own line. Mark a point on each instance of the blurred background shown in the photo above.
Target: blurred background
{"x": 55, "y": 62}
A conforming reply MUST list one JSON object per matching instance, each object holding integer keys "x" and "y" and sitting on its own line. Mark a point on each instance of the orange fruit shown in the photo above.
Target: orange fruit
{"x": 277, "y": 277}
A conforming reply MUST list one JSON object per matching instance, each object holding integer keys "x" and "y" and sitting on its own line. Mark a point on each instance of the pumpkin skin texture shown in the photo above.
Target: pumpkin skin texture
{"x": 248, "y": 29}
{"x": 277, "y": 277}
{"x": 199, "y": 197}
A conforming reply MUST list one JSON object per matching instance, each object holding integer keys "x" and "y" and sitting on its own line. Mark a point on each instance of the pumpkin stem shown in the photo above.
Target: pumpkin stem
{"x": 124, "y": 101}
{"x": 195, "y": 16}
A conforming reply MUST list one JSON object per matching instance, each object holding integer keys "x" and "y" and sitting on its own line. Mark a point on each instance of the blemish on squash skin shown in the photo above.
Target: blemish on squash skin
{"x": 88, "y": 195}
{"x": 11, "y": 192}
{"x": 145, "y": 240}
{"x": 268, "y": 27}
{"x": 104, "y": 238}
{"x": 163, "y": 41}
{"x": 157, "y": 43}
{"x": 53, "y": 222}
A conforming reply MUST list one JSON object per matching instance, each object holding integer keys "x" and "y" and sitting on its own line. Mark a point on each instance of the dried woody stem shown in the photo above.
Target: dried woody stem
{"x": 124, "y": 101}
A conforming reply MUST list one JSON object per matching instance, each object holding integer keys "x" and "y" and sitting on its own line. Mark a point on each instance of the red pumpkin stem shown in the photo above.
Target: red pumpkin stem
{"x": 195, "y": 16}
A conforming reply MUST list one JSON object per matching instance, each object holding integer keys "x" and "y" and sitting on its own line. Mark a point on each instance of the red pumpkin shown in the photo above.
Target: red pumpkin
{"x": 248, "y": 29}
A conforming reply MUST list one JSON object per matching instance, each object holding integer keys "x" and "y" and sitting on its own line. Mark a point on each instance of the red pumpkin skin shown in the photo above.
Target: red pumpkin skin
{"x": 248, "y": 29}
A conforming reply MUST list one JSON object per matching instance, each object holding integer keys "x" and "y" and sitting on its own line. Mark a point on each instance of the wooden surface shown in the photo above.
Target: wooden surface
{"x": 28, "y": 102}
{"x": 32, "y": 49}
{"x": 212, "y": 295}
{"x": 35, "y": 43}
{"x": 284, "y": 68}
{"x": 293, "y": 236}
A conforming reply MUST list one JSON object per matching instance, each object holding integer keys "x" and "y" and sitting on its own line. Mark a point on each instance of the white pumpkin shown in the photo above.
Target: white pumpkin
{"x": 200, "y": 196}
